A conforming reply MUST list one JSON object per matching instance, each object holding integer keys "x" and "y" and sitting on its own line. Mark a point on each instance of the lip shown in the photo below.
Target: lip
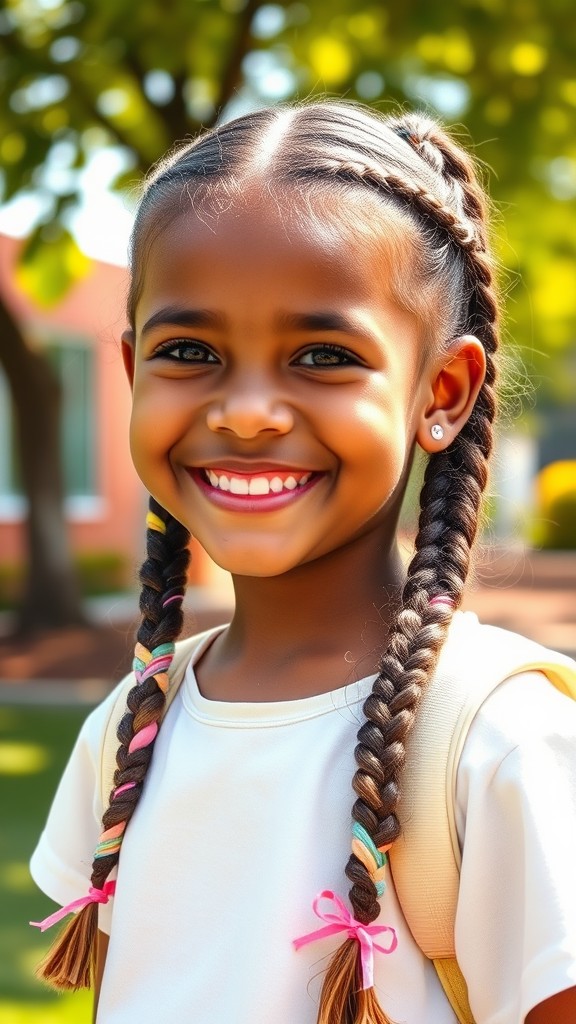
{"x": 244, "y": 468}
{"x": 252, "y": 502}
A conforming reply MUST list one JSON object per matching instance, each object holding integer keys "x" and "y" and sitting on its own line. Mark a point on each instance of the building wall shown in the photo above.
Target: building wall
{"x": 92, "y": 310}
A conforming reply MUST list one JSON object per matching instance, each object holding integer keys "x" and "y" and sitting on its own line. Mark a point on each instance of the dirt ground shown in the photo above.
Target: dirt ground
{"x": 96, "y": 652}
{"x": 535, "y": 596}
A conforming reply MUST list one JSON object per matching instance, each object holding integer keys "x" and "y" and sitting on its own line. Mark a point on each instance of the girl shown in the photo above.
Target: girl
{"x": 311, "y": 299}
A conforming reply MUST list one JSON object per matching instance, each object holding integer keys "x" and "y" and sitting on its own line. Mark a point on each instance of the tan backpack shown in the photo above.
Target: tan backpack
{"x": 425, "y": 861}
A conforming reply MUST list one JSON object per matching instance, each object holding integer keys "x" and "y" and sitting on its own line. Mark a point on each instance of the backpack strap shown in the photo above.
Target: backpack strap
{"x": 184, "y": 651}
{"x": 425, "y": 861}
{"x": 455, "y": 988}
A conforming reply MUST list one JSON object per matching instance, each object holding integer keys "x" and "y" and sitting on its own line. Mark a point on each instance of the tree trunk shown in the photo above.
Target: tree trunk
{"x": 51, "y": 595}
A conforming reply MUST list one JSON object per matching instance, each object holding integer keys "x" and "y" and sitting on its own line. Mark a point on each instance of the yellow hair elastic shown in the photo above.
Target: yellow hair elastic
{"x": 153, "y": 522}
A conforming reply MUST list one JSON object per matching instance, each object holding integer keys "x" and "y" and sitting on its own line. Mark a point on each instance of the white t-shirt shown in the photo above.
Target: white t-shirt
{"x": 245, "y": 818}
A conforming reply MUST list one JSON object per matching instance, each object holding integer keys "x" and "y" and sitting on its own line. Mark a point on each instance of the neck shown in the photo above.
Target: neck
{"x": 310, "y": 630}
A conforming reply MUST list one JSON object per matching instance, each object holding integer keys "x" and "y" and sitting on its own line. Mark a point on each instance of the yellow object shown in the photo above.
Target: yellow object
{"x": 556, "y": 480}
{"x": 153, "y": 522}
{"x": 452, "y": 981}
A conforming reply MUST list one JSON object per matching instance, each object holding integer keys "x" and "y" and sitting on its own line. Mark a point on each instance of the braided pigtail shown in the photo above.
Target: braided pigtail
{"x": 450, "y": 506}
{"x": 70, "y": 963}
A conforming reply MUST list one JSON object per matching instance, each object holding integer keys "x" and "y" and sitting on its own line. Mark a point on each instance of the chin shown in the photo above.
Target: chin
{"x": 257, "y": 565}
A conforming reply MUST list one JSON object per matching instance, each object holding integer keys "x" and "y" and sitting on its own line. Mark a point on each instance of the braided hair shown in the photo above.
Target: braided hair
{"x": 419, "y": 173}
{"x": 71, "y": 962}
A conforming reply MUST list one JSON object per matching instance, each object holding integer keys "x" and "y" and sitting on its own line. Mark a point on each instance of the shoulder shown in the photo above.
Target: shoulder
{"x": 515, "y": 814}
{"x": 525, "y": 709}
{"x": 519, "y": 746}
{"x": 501, "y": 686}
{"x": 518, "y": 705}
{"x": 94, "y": 726}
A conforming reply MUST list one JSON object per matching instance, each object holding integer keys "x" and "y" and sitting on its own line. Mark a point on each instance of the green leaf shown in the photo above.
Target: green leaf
{"x": 48, "y": 269}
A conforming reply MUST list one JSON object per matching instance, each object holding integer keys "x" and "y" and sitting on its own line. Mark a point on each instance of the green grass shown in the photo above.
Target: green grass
{"x": 34, "y": 745}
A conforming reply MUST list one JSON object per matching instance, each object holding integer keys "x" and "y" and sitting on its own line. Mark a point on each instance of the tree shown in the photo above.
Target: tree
{"x": 46, "y": 109}
{"x": 81, "y": 75}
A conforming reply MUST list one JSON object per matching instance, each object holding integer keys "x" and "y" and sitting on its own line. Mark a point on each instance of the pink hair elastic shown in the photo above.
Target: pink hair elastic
{"x": 144, "y": 737}
{"x": 124, "y": 788}
{"x": 442, "y": 601}
{"x": 94, "y": 896}
{"x": 342, "y": 921}
{"x": 169, "y": 600}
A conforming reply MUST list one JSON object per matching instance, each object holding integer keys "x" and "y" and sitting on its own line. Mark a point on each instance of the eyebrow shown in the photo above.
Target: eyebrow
{"x": 325, "y": 320}
{"x": 176, "y": 316}
{"x": 328, "y": 320}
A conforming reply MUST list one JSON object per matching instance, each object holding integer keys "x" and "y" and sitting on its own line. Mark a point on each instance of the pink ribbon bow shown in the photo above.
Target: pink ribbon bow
{"x": 344, "y": 922}
{"x": 94, "y": 896}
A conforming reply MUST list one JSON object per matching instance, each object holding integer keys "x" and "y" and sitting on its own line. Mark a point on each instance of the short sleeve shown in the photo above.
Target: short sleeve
{"x": 61, "y": 864}
{"x": 516, "y": 815}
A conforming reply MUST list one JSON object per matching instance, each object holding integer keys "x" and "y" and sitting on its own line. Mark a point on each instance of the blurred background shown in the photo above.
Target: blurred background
{"x": 93, "y": 92}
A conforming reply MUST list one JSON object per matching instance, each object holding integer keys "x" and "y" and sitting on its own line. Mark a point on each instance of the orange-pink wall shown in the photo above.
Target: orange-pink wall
{"x": 93, "y": 308}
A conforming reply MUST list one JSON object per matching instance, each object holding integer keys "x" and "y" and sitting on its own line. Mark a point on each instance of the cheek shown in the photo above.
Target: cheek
{"x": 379, "y": 443}
{"x": 152, "y": 433}
{"x": 157, "y": 411}
{"x": 379, "y": 425}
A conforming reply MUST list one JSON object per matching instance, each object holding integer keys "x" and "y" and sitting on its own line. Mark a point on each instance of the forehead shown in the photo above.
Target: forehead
{"x": 317, "y": 247}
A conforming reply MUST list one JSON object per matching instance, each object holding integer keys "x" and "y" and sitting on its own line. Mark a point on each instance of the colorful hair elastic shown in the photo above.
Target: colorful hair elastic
{"x": 372, "y": 857}
{"x": 153, "y": 663}
{"x": 146, "y": 664}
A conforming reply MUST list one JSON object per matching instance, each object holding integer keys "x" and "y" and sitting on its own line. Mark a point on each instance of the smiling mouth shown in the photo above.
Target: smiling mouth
{"x": 258, "y": 484}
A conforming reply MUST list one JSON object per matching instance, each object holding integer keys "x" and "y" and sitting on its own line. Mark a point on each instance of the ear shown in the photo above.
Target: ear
{"x": 452, "y": 392}
{"x": 128, "y": 347}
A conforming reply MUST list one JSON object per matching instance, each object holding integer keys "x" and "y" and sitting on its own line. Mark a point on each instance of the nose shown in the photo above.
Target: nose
{"x": 249, "y": 409}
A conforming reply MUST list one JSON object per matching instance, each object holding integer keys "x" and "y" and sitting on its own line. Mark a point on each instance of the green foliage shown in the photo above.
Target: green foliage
{"x": 48, "y": 268}
{"x": 102, "y": 572}
{"x": 87, "y": 75}
{"x": 98, "y": 572}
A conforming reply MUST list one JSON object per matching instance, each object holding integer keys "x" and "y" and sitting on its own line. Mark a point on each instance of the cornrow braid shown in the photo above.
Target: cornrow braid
{"x": 70, "y": 963}
{"x": 450, "y": 503}
{"x": 447, "y": 160}
{"x": 416, "y": 196}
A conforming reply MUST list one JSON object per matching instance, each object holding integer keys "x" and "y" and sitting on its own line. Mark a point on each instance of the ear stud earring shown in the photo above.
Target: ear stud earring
{"x": 437, "y": 431}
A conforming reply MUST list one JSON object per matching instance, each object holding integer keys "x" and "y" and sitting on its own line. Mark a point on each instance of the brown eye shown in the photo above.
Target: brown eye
{"x": 327, "y": 356}
{"x": 185, "y": 350}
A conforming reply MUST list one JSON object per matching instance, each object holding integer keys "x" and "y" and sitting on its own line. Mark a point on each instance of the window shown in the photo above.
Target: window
{"x": 74, "y": 365}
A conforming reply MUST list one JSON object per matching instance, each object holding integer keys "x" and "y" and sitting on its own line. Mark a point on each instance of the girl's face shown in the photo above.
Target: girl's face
{"x": 277, "y": 386}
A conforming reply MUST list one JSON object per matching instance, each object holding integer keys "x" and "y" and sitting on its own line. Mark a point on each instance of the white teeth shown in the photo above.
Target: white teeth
{"x": 238, "y": 485}
{"x": 258, "y": 485}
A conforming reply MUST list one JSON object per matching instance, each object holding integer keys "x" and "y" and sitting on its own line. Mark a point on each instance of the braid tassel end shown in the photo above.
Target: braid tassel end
{"x": 343, "y": 1000}
{"x": 348, "y": 995}
{"x": 71, "y": 961}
